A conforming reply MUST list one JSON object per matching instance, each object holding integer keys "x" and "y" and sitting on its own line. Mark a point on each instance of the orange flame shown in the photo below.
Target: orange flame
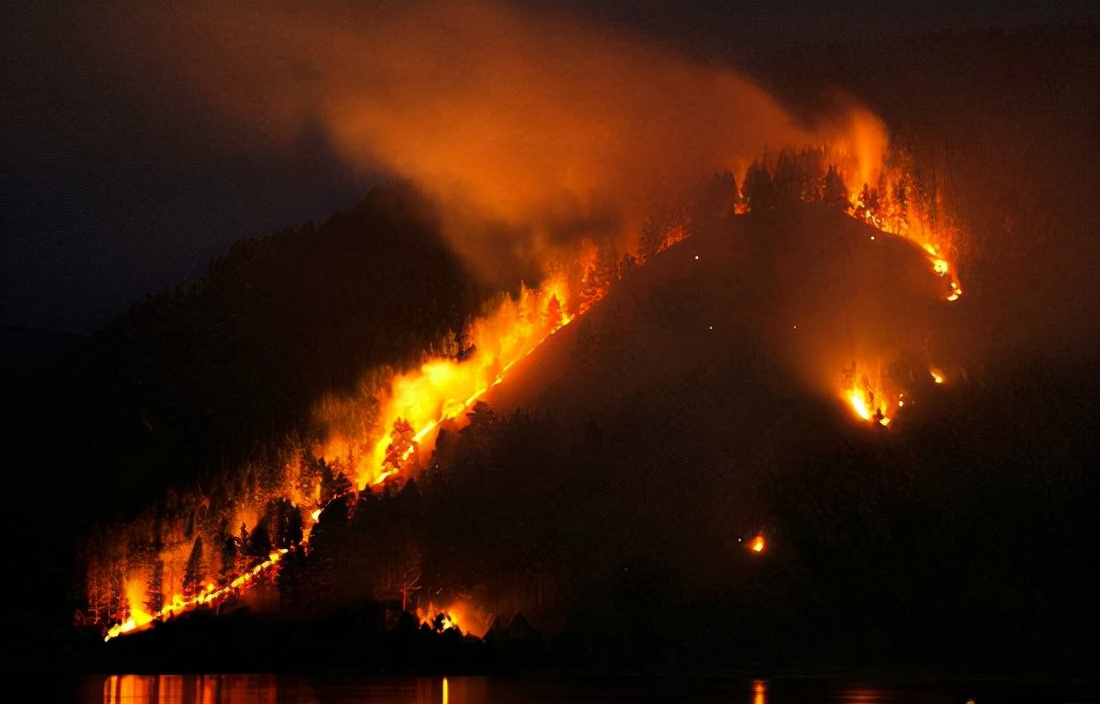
{"x": 460, "y": 614}
{"x": 445, "y": 388}
{"x": 866, "y": 395}
{"x": 209, "y": 595}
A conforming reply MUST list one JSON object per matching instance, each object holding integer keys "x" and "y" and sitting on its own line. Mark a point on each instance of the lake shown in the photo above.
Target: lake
{"x": 296, "y": 689}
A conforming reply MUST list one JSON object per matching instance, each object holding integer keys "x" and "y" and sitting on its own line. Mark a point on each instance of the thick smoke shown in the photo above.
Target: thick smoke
{"x": 542, "y": 127}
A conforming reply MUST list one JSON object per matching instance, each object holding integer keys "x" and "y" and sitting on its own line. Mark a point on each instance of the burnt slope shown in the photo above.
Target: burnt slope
{"x": 644, "y": 447}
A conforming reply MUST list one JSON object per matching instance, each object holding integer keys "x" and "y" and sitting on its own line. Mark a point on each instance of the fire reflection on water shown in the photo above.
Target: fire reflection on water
{"x": 196, "y": 689}
{"x": 272, "y": 689}
{"x": 759, "y": 692}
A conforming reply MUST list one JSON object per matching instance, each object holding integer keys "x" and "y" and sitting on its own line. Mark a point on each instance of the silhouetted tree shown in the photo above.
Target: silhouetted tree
{"x": 834, "y": 192}
{"x": 787, "y": 182}
{"x": 758, "y": 189}
{"x": 192, "y": 573}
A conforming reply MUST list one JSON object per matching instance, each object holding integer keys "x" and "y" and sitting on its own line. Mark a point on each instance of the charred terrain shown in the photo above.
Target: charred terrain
{"x": 599, "y": 506}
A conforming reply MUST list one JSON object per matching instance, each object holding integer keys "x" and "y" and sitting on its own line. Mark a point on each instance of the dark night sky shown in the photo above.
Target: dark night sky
{"x": 108, "y": 194}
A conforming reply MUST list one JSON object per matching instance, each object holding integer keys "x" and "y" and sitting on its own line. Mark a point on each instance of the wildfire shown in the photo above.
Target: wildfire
{"x": 863, "y": 393}
{"x": 416, "y": 403}
{"x": 210, "y": 594}
{"x": 675, "y": 235}
{"x": 888, "y": 211}
{"x": 460, "y": 615}
{"x": 406, "y": 414}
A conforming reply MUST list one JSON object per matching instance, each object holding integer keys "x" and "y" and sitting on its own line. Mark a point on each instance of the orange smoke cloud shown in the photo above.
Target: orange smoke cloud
{"x": 540, "y": 124}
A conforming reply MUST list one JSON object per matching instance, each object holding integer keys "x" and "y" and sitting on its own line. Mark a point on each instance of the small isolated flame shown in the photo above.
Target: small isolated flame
{"x": 865, "y": 395}
{"x": 468, "y": 619}
{"x": 937, "y": 375}
{"x": 758, "y": 544}
{"x": 862, "y": 403}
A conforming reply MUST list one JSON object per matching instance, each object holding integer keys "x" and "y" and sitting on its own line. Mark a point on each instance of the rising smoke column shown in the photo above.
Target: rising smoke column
{"x": 548, "y": 128}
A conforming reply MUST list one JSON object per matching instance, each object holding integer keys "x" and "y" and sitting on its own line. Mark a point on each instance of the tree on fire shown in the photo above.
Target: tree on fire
{"x": 867, "y": 204}
{"x": 402, "y": 445}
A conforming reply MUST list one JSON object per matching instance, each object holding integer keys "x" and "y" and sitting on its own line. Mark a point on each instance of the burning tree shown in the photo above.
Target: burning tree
{"x": 402, "y": 445}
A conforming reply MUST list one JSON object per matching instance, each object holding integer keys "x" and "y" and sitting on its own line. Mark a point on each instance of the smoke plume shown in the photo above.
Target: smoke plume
{"x": 534, "y": 126}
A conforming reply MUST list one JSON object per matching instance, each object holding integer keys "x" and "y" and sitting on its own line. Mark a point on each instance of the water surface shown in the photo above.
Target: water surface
{"x": 294, "y": 689}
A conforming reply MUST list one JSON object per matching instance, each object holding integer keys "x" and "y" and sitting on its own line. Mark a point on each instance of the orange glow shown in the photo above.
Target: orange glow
{"x": 864, "y": 392}
{"x": 759, "y": 692}
{"x": 445, "y": 388}
{"x": 621, "y": 124}
{"x": 937, "y": 375}
{"x": 178, "y": 604}
{"x": 366, "y": 437}
{"x": 191, "y": 689}
{"x": 673, "y": 236}
{"x": 459, "y": 614}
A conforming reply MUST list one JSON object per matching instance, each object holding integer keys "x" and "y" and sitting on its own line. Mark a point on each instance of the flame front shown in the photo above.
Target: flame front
{"x": 444, "y": 389}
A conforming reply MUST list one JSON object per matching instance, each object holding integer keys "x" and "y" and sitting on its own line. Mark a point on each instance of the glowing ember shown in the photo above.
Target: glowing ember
{"x": 757, "y": 544}
{"x": 937, "y": 375}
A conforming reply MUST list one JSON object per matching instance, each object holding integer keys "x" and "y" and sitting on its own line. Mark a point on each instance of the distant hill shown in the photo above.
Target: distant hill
{"x": 191, "y": 381}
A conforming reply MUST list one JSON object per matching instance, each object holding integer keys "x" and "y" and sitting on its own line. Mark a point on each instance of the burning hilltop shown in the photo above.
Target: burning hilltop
{"x": 865, "y": 301}
{"x": 541, "y": 154}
